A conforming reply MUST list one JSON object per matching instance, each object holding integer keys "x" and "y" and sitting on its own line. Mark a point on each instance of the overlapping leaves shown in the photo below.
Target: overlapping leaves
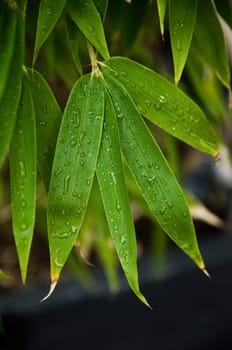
{"x": 102, "y": 126}
{"x": 101, "y": 121}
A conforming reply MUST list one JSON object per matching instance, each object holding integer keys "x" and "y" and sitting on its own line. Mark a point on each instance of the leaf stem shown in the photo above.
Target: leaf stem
{"x": 93, "y": 59}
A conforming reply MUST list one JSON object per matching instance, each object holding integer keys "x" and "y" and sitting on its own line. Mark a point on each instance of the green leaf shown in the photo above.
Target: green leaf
{"x": 162, "y": 5}
{"x": 73, "y": 168}
{"x": 182, "y": 15}
{"x": 210, "y": 40}
{"x": 74, "y": 38}
{"x": 101, "y": 6}
{"x": 7, "y": 36}
{"x": 152, "y": 173}
{"x": 48, "y": 118}
{"x": 49, "y": 14}
{"x": 87, "y": 18}
{"x": 132, "y": 16}
{"x": 164, "y": 104}
{"x": 113, "y": 190}
{"x": 23, "y": 177}
{"x": 206, "y": 86}
{"x": 3, "y": 275}
{"x": 11, "y": 95}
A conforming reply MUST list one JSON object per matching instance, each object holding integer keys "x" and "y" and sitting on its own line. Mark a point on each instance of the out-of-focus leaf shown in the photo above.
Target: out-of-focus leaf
{"x": 164, "y": 104}
{"x": 74, "y": 37}
{"x": 49, "y": 14}
{"x": 3, "y": 275}
{"x": 11, "y": 95}
{"x": 48, "y": 117}
{"x": 73, "y": 168}
{"x": 182, "y": 15}
{"x": 112, "y": 186}
{"x": 101, "y": 6}
{"x": 152, "y": 173}
{"x": 206, "y": 85}
{"x": 88, "y": 19}
{"x": 131, "y": 18}
{"x": 162, "y": 5}
{"x": 23, "y": 177}
{"x": 210, "y": 40}
{"x": 7, "y": 36}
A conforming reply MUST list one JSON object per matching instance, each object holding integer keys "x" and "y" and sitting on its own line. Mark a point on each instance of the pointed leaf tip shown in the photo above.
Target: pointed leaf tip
{"x": 206, "y": 272}
{"x": 52, "y": 288}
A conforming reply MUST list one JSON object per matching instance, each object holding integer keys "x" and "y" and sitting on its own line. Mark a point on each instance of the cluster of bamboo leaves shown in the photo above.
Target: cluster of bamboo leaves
{"x": 102, "y": 129}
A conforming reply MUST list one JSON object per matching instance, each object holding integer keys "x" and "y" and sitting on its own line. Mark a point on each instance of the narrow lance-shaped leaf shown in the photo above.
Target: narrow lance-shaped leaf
{"x": 164, "y": 104}
{"x": 182, "y": 15}
{"x": 101, "y": 6}
{"x": 48, "y": 118}
{"x": 162, "y": 5}
{"x": 23, "y": 177}
{"x": 152, "y": 173}
{"x": 49, "y": 14}
{"x": 73, "y": 168}
{"x": 74, "y": 38}
{"x": 210, "y": 40}
{"x": 102, "y": 243}
{"x": 7, "y": 36}
{"x": 113, "y": 190}
{"x": 206, "y": 85}
{"x": 11, "y": 95}
{"x": 88, "y": 19}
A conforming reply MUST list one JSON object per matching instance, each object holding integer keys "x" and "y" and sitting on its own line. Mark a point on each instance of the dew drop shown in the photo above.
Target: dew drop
{"x": 157, "y": 106}
{"x": 58, "y": 171}
{"x": 42, "y": 123}
{"x": 23, "y": 204}
{"x": 66, "y": 184}
{"x": 118, "y": 206}
{"x": 23, "y": 226}
{"x": 22, "y": 169}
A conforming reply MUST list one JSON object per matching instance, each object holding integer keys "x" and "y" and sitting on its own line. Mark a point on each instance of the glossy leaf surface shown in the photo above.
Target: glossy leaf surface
{"x": 88, "y": 19}
{"x": 152, "y": 173}
{"x": 23, "y": 177}
{"x": 49, "y": 14}
{"x": 164, "y": 104}
{"x": 48, "y": 118}
{"x": 113, "y": 190}
{"x": 11, "y": 95}
{"x": 210, "y": 40}
{"x": 74, "y": 167}
{"x": 182, "y": 15}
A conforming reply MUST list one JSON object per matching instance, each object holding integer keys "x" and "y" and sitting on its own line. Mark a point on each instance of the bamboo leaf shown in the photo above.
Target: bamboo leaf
{"x": 182, "y": 15}
{"x": 162, "y": 5}
{"x": 48, "y": 118}
{"x": 74, "y": 38}
{"x": 4, "y": 276}
{"x": 206, "y": 85}
{"x": 7, "y": 36}
{"x": 23, "y": 177}
{"x": 164, "y": 104}
{"x": 101, "y": 6}
{"x": 73, "y": 168}
{"x": 210, "y": 40}
{"x": 49, "y": 14}
{"x": 112, "y": 186}
{"x": 88, "y": 19}
{"x": 152, "y": 173}
{"x": 11, "y": 95}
